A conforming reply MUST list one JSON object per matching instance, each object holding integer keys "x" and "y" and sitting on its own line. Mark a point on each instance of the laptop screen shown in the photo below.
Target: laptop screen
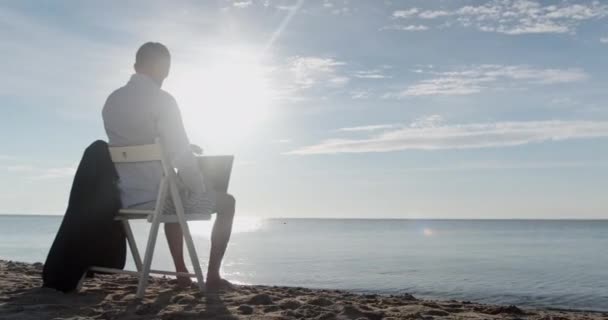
{"x": 216, "y": 171}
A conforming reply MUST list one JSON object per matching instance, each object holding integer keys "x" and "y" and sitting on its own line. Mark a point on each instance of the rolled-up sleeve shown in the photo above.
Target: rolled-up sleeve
{"x": 175, "y": 141}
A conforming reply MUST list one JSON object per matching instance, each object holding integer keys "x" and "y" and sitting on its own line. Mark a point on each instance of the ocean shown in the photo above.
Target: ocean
{"x": 530, "y": 263}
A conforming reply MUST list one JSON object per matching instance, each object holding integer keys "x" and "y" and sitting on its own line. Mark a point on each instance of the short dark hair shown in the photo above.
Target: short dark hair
{"x": 151, "y": 52}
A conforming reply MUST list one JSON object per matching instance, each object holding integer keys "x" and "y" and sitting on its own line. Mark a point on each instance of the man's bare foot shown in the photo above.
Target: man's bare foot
{"x": 218, "y": 284}
{"x": 184, "y": 281}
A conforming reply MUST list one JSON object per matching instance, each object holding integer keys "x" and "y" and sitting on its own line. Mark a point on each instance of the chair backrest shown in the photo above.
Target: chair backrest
{"x": 141, "y": 153}
{"x": 144, "y": 153}
{"x": 147, "y": 153}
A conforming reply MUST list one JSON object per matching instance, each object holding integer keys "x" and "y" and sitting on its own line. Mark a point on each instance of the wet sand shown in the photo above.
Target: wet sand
{"x": 113, "y": 297}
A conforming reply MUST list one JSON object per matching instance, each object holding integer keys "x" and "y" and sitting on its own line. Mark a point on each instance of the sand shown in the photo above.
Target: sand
{"x": 113, "y": 297}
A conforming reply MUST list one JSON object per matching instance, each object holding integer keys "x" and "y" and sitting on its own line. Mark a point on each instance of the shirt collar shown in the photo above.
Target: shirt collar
{"x": 142, "y": 79}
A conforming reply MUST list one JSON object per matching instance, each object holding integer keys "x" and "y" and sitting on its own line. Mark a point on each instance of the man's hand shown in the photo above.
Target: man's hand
{"x": 196, "y": 149}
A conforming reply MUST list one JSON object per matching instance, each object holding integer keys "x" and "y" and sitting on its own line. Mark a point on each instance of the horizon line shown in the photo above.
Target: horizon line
{"x": 357, "y": 218}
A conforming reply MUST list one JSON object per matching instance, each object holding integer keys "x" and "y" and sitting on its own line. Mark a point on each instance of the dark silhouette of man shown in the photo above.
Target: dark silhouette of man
{"x": 140, "y": 112}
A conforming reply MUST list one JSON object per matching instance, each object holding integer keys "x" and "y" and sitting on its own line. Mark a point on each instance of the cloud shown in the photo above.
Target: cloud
{"x": 360, "y": 94}
{"x": 515, "y": 17}
{"x": 442, "y": 86}
{"x": 469, "y": 166}
{"x": 305, "y": 78}
{"x": 343, "y": 7}
{"x": 339, "y": 81}
{"x": 604, "y": 40}
{"x": 474, "y": 79}
{"x": 370, "y": 74}
{"x": 368, "y": 128}
{"x": 19, "y": 168}
{"x": 405, "y": 13}
{"x": 400, "y": 27}
{"x": 431, "y": 121}
{"x": 433, "y": 14}
{"x": 31, "y": 172}
{"x": 311, "y": 71}
{"x": 460, "y": 136}
{"x": 55, "y": 173}
{"x": 242, "y": 4}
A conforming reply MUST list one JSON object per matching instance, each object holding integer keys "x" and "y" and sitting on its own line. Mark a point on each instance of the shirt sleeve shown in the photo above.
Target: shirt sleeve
{"x": 175, "y": 142}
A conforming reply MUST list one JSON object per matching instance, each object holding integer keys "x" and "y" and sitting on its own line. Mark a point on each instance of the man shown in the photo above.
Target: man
{"x": 140, "y": 112}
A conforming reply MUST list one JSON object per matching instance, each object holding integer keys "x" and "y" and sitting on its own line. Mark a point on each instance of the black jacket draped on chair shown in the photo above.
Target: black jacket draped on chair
{"x": 88, "y": 235}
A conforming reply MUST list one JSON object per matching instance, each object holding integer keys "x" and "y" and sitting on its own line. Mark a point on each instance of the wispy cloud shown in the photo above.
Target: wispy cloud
{"x": 433, "y": 14}
{"x": 407, "y": 27}
{"x": 32, "y": 172}
{"x": 19, "y": 168}
{"x": 338, "y": 7}
{"x": 503, "y": 165}
{"x": 515, "y": 17}
{"x": 339, "y": 81}
{"x": 360, "y": 94}
{"x": 406, "y": 13}
{"x": 368, "y": 128}
{"x": 242, "y": 4}
{"x": 604, "y": 40}
{"x": 475, "y": 79}
{"x": 55, "y": 173}
{"x": 310, "y": 71}
{"x": 343, "y": 7}
{"x": 459, "y": 136}
{"x": 282, "y": 141}
{"x": 371, "y": 74}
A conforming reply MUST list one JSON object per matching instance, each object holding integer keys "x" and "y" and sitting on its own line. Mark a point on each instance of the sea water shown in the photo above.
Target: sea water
{"x": 544, "y": 263}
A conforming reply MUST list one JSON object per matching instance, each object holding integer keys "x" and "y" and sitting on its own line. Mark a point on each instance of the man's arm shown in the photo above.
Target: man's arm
{"x": 175, "y": 141}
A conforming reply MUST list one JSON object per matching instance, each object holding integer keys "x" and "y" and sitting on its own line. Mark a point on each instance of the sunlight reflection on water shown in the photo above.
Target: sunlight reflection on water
{"x": 428, "y": 232}
{"x": 241, "y": 225}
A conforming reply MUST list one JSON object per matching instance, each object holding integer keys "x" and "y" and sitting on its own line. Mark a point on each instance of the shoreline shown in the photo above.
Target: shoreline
{"x": 113, "y": 297}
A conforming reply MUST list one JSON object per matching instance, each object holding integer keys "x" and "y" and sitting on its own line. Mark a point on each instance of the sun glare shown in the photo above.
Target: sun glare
{"x": 241, "y": 225}
{"x": 224, "y": 97}
{"x": 428, "y": 232}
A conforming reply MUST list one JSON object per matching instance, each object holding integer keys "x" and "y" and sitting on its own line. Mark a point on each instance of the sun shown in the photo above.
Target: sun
{"x": 224, "y": 97}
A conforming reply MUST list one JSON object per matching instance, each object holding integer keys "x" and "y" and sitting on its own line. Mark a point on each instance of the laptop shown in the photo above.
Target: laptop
{"x": 216, "y": 170}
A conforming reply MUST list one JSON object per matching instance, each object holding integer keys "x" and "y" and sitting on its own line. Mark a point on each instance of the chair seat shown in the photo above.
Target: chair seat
{"x": 172, "y": 218}
{"x": 122, "y": 217}
{"x": 131, "y": 214}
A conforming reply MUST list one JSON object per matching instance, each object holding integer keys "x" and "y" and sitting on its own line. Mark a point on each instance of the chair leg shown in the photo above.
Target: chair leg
{"x": 196, "y": 264}
{"x": 132, "y": 244}
{"x": 145, "y": 272}
{"x": 81, "y": 281}
{"x": 181, "y": 218}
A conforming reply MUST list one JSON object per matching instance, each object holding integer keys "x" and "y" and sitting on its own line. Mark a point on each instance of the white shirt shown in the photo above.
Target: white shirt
{"x": 136, "y": 114}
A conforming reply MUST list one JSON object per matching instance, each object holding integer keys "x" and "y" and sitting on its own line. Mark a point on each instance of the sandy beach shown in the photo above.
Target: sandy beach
{"x": 113, "y": 297}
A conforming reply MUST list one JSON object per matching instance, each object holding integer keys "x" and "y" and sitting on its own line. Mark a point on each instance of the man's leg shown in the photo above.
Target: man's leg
{"x": 175, "y": 239}
{"x": 220, "y": 235}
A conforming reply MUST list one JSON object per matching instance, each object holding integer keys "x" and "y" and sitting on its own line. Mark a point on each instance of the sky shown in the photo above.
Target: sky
{"x": 333, "y": 108}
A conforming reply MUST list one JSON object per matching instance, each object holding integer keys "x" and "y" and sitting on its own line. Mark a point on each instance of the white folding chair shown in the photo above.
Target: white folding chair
{"x": 145, "y": 153}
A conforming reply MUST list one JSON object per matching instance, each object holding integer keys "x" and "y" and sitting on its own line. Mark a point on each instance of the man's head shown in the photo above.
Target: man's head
{"x": 154, "y": 60}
